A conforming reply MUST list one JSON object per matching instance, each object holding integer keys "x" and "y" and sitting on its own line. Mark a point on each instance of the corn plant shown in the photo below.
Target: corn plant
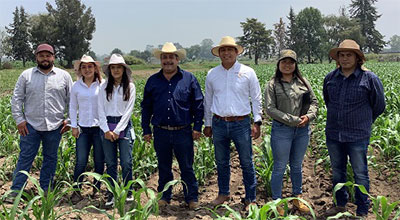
{"x": 264, "y": 163}
{"x": 204, "y": 162}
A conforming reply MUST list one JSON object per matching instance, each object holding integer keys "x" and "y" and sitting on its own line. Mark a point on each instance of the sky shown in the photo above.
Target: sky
{"x": 133, "y": 24}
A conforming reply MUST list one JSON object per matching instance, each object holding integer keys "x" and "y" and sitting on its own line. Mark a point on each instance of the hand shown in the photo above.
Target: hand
{"x": 65, "y": 127}
{"x": 255, "y": 131}
{"x": 207, "y": 131}
{"x": 304, "y": 121}
{"x": 147, "y": 138}
{"x": 22, "y": 129}
{"x": 75, "y": 132}
{"x": 109, "y": 135}
{"x": 196, "y": 135}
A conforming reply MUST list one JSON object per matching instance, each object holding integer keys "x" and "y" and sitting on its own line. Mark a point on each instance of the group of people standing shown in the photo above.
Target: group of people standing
{"x": 174, "y": 105}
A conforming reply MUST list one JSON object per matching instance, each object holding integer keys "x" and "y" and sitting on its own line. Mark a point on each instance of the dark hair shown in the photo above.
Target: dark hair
{"x": 278, "y": 75}
{"x": 97, "y": 74}
{"x": 125, "y": 85}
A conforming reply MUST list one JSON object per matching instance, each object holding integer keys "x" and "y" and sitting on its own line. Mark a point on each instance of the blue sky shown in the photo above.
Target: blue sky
{"x": 133, "y": 24}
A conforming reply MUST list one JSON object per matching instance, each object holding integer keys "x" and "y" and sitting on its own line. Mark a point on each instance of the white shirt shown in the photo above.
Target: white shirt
{"x": 83, "y": 101}
{"x": 228, "y": 91}
{"x": 116, "y": 107}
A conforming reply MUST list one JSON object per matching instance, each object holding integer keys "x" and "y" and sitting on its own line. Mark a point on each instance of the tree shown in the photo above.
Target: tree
{"x": 256, "y": 39}
{"x": 280, "y": 35}
{"x": 366, "y": 14}
{"x": 42, "y": 30}
{"x": 3, "y": 47}
{"x": 74, "y": 27}
{"x": 193, "y": 52}
{"x": 116, "y": 50}
{"x": 310, "y": 34}
{"x": 291, "y": 30}
{"x": 205, "y": 49}
{"x": 18, "y": 39}
{"x": 145, "y": 55}
{"x": 394, "y": 43}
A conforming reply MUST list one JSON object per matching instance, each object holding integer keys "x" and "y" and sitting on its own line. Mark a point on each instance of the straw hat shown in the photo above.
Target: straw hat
{"x": 169, "y": 47}
{"x": 347, "y": 45}
{"x": 226, "y": 41}
{"x": 288, "y": 54}
{"x": 85, "y": 59}
{"x": 116, "y": 59}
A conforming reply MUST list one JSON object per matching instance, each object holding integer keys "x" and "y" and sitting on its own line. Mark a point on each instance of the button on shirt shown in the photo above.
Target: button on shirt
{"x": 228, "y": 91}
{"x": 41, "y": 99}
{"x": 176, "y": 102}
{"x": 116, "y": 107}
{"x": 353, "y": 104}
{"x": 84, "y": 101}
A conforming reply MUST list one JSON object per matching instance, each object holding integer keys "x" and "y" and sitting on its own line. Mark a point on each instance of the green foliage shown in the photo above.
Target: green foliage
{"x": 394, "y": 43}
{"x": 131, "y": 60}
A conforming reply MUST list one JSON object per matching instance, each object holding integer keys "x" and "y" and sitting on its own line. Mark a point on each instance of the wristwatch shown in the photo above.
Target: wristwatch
{"x": 259, "y": 123}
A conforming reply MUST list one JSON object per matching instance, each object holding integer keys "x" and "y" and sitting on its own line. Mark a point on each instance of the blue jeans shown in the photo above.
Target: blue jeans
{"x": 288, "y": 144}
{"x": 179, "y": 143}
{"x": 124, "y": 145}
{"x": 240, "y": 133}
{"x": 357, "y": 152}
{"x": 89, "y": 137}
{"x": 29, "y": 146}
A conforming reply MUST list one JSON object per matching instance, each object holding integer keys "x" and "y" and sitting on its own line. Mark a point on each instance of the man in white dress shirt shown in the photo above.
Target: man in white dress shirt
{"x": 227, "y": 111}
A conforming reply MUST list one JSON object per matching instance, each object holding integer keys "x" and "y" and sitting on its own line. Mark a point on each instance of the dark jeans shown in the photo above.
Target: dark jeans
{"x": 124, "y": 145}
{"x": 180, "y": 143}
{"x": 240, "y": 133}
{"x": 29, "y": 146}
{"x": 89, "y": 137}
{"x": 357, "y": 152}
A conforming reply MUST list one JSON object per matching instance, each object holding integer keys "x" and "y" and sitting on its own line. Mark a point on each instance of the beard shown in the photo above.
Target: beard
{"x": 45, "y": 66}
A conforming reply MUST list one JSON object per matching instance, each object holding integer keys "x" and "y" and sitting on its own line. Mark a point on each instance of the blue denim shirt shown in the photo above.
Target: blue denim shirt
{"x": 176, "y": 102}
{"x": 353, "y": 104}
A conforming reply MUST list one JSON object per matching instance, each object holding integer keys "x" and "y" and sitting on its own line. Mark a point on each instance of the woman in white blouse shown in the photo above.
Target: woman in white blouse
{"x": 83, "y": 102}
{"x": 116, "y": 100}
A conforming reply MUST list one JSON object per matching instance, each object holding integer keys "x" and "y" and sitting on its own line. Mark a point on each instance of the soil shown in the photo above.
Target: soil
{"x": 316, "y": 190}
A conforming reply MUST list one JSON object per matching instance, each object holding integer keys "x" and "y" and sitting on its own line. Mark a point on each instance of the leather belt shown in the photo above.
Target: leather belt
{"x": 231, "y": 118}
{"x": 172, "y": 128}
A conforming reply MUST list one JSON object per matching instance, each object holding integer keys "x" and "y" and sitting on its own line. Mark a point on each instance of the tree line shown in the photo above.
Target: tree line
{"x": 69, "y": 27}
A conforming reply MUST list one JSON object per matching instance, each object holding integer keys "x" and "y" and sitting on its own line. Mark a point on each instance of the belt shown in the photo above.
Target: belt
{"x": 231, "y": 118}
{"x": 172, "y": 128}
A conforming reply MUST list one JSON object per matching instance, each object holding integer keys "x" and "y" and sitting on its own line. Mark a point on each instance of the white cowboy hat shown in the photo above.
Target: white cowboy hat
{"x": 116, "y": 59}
{"x": 169, "y": 48}
{"x": 226, "y": 41}
{"x": 85, "y": 59}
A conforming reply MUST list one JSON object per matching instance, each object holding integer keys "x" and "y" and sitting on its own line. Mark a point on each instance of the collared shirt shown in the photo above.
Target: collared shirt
{"x": 176, "y": 102}
{"x": 228, "y": 91}
{"x": 283, "y": 102}
{"x": 84, "y": 101}
{"x": 116, "y": 107}
{"x": 353, "y": 104}
{"x": 41, "y": 99}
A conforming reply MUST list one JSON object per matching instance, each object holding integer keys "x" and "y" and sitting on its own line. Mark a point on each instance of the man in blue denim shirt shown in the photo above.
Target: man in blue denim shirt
{"x": 354, "y": 98}
{"x": 172, "y": 101}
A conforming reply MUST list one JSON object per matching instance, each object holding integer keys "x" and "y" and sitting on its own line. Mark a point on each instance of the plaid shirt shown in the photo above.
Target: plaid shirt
{"x": 353, "y": 104}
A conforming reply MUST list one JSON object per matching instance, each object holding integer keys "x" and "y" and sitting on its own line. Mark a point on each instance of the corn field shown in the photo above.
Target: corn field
{"x": 384, "y": 156}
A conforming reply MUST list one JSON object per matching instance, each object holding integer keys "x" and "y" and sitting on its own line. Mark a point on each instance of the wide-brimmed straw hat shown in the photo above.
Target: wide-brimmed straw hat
{"x": 287, "y": 53}
{"x": 226, "y": 41}
{"x": 347, "y": 45}
{"x": 85, "y": 59}
{"x": 169, "y": 47}
{"x": 116, "y": 59}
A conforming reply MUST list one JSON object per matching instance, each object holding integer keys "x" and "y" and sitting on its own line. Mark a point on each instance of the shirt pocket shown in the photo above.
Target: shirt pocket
{"x": 333, "y": 91}
{"x": 356, "y": 94}
{"x": 181, "y": 97}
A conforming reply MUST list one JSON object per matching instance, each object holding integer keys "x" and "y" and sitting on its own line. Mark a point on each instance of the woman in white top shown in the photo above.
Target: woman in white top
{"x": 83, "y": 102}
{"x": 116, "y": 100}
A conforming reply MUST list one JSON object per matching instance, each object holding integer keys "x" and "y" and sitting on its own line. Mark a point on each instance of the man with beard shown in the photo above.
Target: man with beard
{"x": 38, "y": 104}
{"x": 172, "y": 102}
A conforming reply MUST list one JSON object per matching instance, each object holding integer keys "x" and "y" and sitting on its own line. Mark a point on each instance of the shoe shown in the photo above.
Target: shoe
{"x": 335, "y": 210}
{"x": 110, "y": 200}
{"x": 129, "y": 197}
{"x": 193, "y": 205}
{"x": 301, "y": 206}
{"x": 10, "y": 197}
{"x": 220, "y": 200}
{"x": 162, "y": 203}
{"x": 76, "y": 197}
{"x": 247, "y": 205}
